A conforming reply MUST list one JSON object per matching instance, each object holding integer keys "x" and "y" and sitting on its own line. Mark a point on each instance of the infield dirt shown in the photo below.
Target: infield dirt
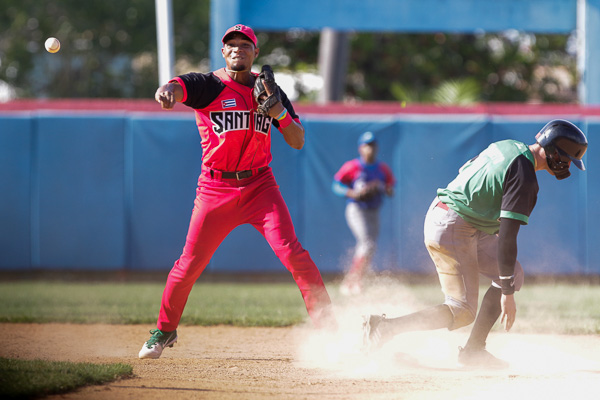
{"x": 226, "y": 362}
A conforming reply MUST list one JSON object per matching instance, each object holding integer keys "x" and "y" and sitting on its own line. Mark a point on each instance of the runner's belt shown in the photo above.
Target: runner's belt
{"x": 443, "y": 206}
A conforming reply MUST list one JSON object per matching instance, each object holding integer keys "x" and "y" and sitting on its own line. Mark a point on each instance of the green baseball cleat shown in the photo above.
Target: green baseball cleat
{"x": 154, "y": 347}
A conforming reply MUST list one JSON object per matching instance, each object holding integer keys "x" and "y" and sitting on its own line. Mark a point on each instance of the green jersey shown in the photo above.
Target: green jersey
{"x": 498, "y": 183}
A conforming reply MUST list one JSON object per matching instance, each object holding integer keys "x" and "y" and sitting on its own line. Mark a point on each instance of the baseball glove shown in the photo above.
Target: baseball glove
{"x": 371, "y": 190}
{"x": 265, "y": 84}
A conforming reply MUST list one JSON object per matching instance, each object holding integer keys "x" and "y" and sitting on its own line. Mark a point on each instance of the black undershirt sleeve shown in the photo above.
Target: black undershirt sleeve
{"x": 519, "y": 197}
{"x": 520, "y": 187}
{"x": 507, "y": 253}
{"x": 202, "y": 89}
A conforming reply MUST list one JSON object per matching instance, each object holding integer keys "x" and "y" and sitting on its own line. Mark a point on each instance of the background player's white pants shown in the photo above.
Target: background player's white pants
{"x": 364, "y": 224}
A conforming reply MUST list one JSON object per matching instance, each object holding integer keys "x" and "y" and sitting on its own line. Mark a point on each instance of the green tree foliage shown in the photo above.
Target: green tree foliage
{"x": 108, "y": 47}
{"x": 294, "y": 52}
{"x": 109, "y": 50}
{"x": 492, "y": 67}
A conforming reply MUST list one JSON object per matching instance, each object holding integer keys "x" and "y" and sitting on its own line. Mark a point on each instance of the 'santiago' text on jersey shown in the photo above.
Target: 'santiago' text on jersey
{"x": 225, "y": 121}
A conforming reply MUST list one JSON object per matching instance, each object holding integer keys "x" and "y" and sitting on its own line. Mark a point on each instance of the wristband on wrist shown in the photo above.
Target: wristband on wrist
{"x": 507, "y": 284}
{"x": 282, "y": 115}
{"x": 285, "y": 119}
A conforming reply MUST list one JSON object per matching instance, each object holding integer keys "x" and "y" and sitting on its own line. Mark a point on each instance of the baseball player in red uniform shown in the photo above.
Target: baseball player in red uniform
{"x": 236, "y": 185}
{"x": 363, "y": 181}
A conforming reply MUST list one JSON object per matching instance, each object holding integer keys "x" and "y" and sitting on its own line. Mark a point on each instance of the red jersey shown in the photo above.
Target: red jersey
{"x": 234, "y": 136}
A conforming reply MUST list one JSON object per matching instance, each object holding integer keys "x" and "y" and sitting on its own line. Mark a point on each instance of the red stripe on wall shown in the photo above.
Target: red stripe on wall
{"x": 149, "y": 105}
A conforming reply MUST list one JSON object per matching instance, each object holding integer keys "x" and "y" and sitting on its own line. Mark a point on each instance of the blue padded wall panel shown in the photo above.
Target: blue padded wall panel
{"x": 79, "y": 191}
{"x": 164, "y": 160}
{"x": 15, "y": 184}
{"x": 113, "y": 191}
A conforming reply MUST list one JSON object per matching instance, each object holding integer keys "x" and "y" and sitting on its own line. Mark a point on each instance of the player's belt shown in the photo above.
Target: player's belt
{"x": 239, "y": 175}
{"x": 441, "y": 205}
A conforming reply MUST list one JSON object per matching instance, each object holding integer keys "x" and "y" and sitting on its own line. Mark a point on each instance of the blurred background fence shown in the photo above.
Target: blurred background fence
{"x": 111, "y": 187}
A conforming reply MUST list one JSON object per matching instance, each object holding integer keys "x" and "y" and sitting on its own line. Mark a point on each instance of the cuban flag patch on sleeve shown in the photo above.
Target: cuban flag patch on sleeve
{"x": 228, "y": 103}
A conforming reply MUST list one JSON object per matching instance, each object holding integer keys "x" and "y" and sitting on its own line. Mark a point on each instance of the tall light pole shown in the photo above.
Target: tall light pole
{"x": 164, "y": 38}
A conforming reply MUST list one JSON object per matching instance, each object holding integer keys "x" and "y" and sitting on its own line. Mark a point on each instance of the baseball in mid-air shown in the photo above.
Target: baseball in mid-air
{"x": 52, "y": 45}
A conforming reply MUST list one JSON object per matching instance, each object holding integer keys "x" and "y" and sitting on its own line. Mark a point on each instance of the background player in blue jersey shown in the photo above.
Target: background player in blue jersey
{"x": 363, "y": 181}
{"x": 471, "y": 228}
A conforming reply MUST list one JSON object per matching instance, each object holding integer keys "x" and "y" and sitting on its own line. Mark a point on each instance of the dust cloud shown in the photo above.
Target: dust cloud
{"x": 342, "y": 351}
{"x": 535, "y": 358}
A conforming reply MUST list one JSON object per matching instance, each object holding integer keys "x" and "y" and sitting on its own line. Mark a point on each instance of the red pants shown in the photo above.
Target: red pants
{"x": 222, "y": 205}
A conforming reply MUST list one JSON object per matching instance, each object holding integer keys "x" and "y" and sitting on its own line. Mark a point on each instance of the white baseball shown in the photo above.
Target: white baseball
{"x": 52, "y": 45}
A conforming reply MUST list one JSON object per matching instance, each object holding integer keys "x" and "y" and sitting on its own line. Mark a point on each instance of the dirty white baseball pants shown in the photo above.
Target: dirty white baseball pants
{"x": 460, "y": 253}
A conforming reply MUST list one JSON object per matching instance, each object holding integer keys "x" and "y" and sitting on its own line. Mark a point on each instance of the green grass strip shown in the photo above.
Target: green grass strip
{"x": 35, "y": 378}
{"x": 560, "y": 308}
{"x": 238, "y": 304}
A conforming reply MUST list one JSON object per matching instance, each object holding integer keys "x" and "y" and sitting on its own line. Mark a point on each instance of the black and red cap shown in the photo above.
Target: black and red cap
{"x": 244, "y": 30}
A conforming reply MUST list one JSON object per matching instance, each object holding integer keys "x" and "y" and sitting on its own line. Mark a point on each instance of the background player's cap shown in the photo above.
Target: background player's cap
{"x": 243, "y": 29}
{"x": 367, "y": 138}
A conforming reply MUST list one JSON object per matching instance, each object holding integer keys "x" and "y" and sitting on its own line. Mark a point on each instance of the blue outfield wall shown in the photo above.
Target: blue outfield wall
{"x": 115, "y": 190}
